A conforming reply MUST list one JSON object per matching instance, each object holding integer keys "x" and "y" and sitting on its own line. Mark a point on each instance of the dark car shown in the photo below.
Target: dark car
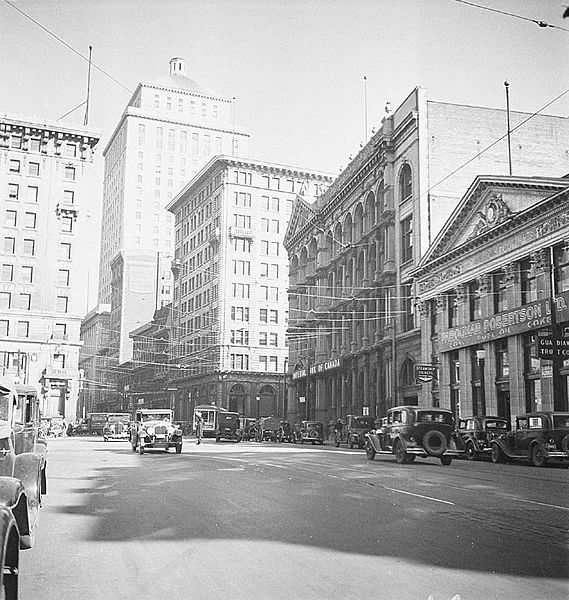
{"x": 356, "y": 428}
{"x": 541, "y": 437}
{"x": 228, "y": 427}
{"x": 475, "y": 433}
{"x": 310, "y": 431}
{"x": 413, "y": 431}
{"x": 286, "y": 433}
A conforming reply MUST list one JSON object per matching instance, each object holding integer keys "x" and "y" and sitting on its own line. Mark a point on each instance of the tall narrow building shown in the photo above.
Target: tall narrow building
{"x": 170, "y": 128}
{"x": 44, "y": 170}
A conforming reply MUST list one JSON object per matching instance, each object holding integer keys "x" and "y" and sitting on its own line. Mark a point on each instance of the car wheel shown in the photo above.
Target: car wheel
{"x": 446, "y": 460}
{"x": 410, "y": 458}
{"x": 497, "y": 454}
{"x": 434, "y": 443}
{"x": 471, "y": 452}
{"x": 400, "y": 454}
{"x": 351, "y": 444}
{"x": 370, "y": 450}
{"x": 178, "y": 448}
{"x": 537, "y": 456}
{"x": 217, "y": 439}
{"x": 105, "y": 438}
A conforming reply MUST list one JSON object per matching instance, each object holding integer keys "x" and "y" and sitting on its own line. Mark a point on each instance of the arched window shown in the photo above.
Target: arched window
{"x": 405, "y": 183}
{"x": 407, "y": 373}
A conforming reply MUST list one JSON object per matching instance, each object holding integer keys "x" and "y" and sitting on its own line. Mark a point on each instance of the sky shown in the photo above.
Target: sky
{"x": 295, "y": 67}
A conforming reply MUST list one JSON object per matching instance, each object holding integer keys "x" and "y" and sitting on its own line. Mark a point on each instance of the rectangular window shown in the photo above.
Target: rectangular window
{"x": 502, "y": 358}
{"x": 69, "y": 173}
{"x": 68, "y": 196}
{"x": 67, "y": 224}
{"x": 159, "y": 137}
{"x": 265, "y": 203}
{"x": 23, "y": 329}
{"x": 10, "y": 218}
{"x": 274, "y": 294}
{"x": 274, "y": 316}
{"x": 62, "y": 304}
{"x": 60, "y": 330}
{"x": 264, "y": 290}
{"x": 13, "y": 191}
{"x": 16, "y": 142}
{"x": 263, "y": 315}
{"x": 264, "y": 269}
{"x": 33, "y": 194}
{"x": 14, "y": 166}
{"x": 7, "y": 272}
{"x": 35, "y": 145}
{"x": 4, "y": 327}
{"x": 9, "y": 245}
{"x": 263, "y": 362}
{"x": 27, "y": 274}
{"x": 65, "y": 250}
{"x": 5, "y": 300}
{"x": 274, "y": 339}
{"x": 263, "y": 338}
{"x": 275, "y": 204}
{"x": 63, "y": 277}
{"x": 265, "y": 247}
{"x": 171, "y": 140}
{"x": 240, "y": 362}
{"x": 273, "y": 364}
{"x": 500, "y": 292}
{"x": 33, "y": 168}
{"x": 30, "y": 220}
{"x": 195, "y": 144}
{"x": 407, "y": 239}
{"x": 141, "y": 134}
{"x": 561, "y": 267}
{"x": 265, "y": 225}
{"x": 59, "y": 361}
{"x": 70, "y": 150}
{"x": 25, "y": 301}
{"x": 29, "y": 248}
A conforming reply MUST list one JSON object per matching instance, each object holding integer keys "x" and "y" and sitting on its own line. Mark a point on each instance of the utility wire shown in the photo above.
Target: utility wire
{"x": 542, "y": 24}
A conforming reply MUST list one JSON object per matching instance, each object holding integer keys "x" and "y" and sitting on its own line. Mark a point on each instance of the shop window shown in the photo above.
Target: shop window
{"x": 405, "y": 184}
{"x": 528, "y": 281}
{"x": 454, "y": 362}
{"x": 561, "y": 264}
{"x": 500, "y": 292}
{"x": 502, "y": 359}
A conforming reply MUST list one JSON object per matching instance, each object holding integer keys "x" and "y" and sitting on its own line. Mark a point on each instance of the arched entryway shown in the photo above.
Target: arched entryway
{"x": 267, "y": 402}
{"x": 237, "y": 397}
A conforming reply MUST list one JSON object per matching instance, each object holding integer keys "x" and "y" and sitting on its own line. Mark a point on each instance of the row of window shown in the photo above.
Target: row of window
{"x": 68, "y": 196}
{"x": 204, "y": 144}
{"x": 22, "y": 330}
{"x": 24, "y": 302}
{"x": 241, "y": 337}
{"x": 243, "y": 267}
{"x": 15, "y": 166}
{"x": 17, "y": 142}
{"x": 240, "y": 362}
{"x": 29, "y": 247}
{"x": 30, "y": 220}
{"x": 27, "y": 274}
{"x": 266, "y": 315}
{"x": 266, "y": 203}
{"x": 181, "y": 104}
{"x": 243, "y": 290}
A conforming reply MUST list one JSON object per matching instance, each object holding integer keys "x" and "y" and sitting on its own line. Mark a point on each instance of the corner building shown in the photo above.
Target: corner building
{"x": 355, "y": 338}
{"x": 230, "y": 307}
{"x": 495, "y": 281}
{"x": 44, "y": 177}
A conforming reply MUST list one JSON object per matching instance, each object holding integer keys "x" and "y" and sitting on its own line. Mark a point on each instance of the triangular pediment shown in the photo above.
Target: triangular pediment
{"x": 302, "y": 213}
{"x": 488, "y": 204}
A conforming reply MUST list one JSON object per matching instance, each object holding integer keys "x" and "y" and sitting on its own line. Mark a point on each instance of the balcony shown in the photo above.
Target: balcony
{"x": 241, "y": 232}
{"x": 57, "y": 373}
{"x": 64, "y": 209}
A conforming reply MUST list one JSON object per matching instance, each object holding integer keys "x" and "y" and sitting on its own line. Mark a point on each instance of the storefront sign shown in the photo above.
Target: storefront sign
{"x": 425, "y": 373}
{"x": 333, "y": 363}
{"x": 528, "y": 317}
{"x": 549, "y": 347}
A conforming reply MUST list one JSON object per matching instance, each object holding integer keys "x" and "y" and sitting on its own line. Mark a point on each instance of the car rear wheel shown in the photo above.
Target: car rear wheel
{"x": 351, "y": 443}
{"x": 537, "y": 456}
{"x": 497, "y": 454}
{"x": 410, "y": 458}
{"x": 434, "y": 443}
{"x": 446, "y": 460}
{"x": 471, "y": 452}
{"x": 370, "y": 450}
{"x": 178, "y": 448}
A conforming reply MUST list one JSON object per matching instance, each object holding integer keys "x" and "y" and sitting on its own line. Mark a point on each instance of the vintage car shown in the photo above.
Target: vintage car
{"x": 22, "y": 461}
{"x": 54, "y": 426}
{"x": 228, "y": 427}
{"x": 475, "y": 433}
{"x": 248, "y": 428}
{"x": 413, "y": 431}
{"x": 353, "y": 433}
{"x": 541, "y": 437}
{"x": 116, "y": 428}
{"x": 285, "y": 433}
{"x": 79, "y": 427}
{"x": 269, "y": 428}
{"x": 9, "y": 555}
{"x": 153, "y": 430}
{"x": 310, "y": 431}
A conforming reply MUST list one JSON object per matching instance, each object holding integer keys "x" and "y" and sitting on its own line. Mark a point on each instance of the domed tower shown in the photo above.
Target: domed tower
{"x": 178, "y": 66}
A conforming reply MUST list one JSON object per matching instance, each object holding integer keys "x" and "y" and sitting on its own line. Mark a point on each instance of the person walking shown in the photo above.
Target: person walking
{"x": 199, "y": 427}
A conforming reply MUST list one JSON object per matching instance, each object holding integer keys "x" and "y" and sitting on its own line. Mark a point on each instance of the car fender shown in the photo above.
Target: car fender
{"x": 13, "y": 498}
{"x": 502, "y": 445}
{"x": 27, "y": 469}
{"x": 374, "y": 440}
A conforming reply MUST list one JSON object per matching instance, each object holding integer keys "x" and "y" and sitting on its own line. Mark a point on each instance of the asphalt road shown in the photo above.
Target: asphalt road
{"x": 266, "y": 521}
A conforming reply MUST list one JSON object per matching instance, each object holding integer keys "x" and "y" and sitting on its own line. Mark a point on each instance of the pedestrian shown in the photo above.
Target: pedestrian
{"x": 199, "y": 427}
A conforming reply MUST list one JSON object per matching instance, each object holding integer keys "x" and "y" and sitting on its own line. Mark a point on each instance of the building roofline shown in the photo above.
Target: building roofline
{"x": 56, "y": 126}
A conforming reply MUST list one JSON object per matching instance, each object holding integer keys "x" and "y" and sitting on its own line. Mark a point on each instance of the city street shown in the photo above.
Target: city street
{"x": 252, "y": 521}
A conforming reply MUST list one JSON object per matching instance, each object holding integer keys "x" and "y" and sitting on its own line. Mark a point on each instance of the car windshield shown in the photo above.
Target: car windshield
{"x": 561, "y": 421}
{"x": 503, "y": 425}
{"x": 156, "y": 417}
{"x": 228, "y": 419}
{"x": 433, "y": 416}
{"x": 117, "y": 419}
{"x": 314, "y": 425}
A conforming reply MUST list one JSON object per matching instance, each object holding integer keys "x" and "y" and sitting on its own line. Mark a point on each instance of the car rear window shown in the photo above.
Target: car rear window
{"x": 432, "y": 416}
{"x": 497, "y": 425}
{"x": 561, "y": 421}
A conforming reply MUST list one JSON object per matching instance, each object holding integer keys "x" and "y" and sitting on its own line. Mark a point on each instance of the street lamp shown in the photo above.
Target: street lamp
{"x": 481, "y": 358}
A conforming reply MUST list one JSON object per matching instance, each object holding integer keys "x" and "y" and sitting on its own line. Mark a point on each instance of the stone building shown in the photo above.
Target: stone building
{"x": 230, "y": 307}
{"x": 354, "y": 330}
{"x": 495, "y": 282}
{"x": 44, "y": 178}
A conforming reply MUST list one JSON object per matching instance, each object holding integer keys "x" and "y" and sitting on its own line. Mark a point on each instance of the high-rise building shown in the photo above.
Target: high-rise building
{"x": 170, "y": 128}
{"x": 230, "y": 307}
{"x": 43, "y": 284}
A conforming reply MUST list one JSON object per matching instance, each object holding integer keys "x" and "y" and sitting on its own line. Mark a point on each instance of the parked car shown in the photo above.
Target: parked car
{"x": 9, "y": 555}
{"x": 413, "y": 431}
{"x": 541, "y": 437}
{"x": 269, "y": 429}
{"x": 228, "y": 427}
{"x": 310, "y": 431}
{"x": 116, "y": 428}
{"x": 248, "y": 428}
{"x": 21, "y": 469}
{"x": 153, "y": 429}
{"x": 57, "y": 427}
{"x": 80, "y": 427}
{"x": 474, "y": 434}
{"x": 354, "y": 431}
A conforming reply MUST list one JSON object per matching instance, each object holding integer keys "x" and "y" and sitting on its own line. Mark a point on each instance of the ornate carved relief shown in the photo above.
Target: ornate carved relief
{"x": 512, "y": 273}
{"x": 494, "y": 212}
{"x": 461, "y": 294}
{"x": 484, "y": 283}
{"x": 540, "y": 260}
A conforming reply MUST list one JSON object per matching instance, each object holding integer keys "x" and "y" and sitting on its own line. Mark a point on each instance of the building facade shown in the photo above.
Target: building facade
{"x": 230, "y": 308}
{"x": 95, "y": 390}
{"x": 355, "y": 337}
{"x": 44, "y": 170}
{"x": 170, "y": 128}
{"x": 495, "y": 283}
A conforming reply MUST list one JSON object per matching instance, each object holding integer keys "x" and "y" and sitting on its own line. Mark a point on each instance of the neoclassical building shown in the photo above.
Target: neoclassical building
{"x": 495, "y": 281}
{"x": 354, "y": 335}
